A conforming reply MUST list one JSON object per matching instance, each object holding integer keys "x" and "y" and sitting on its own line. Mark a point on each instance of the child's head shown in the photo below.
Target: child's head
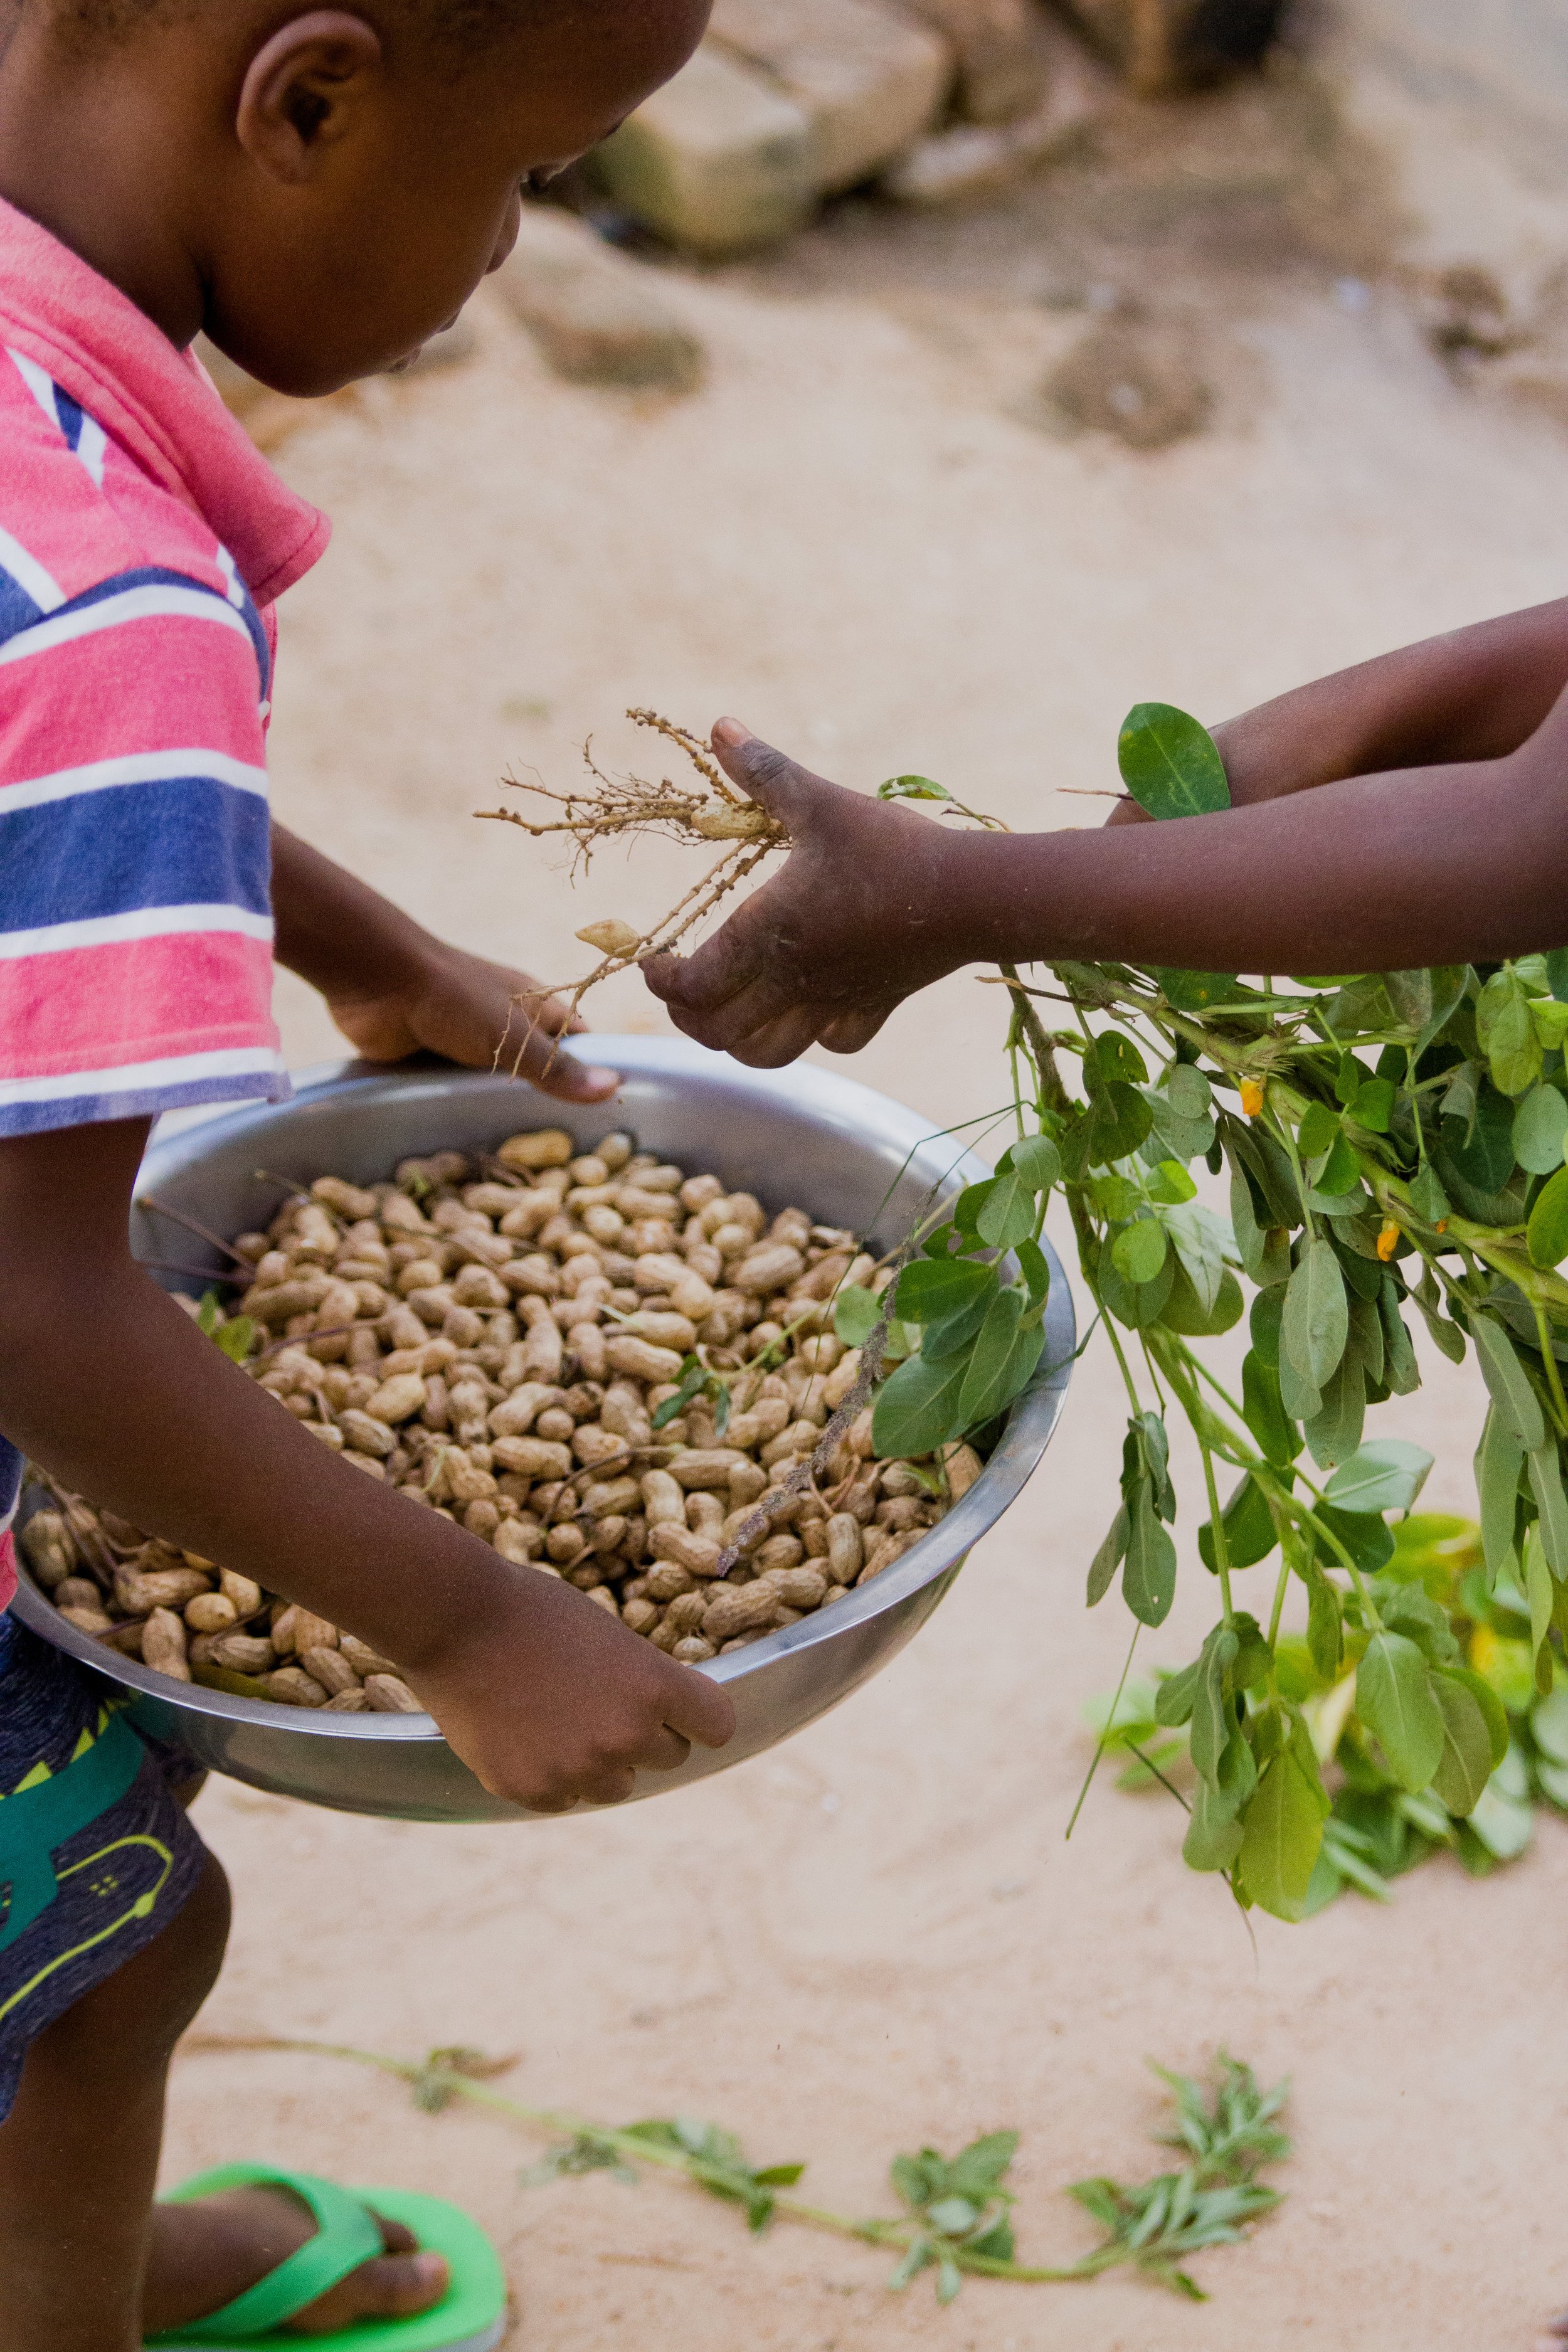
{"x": 321, "y": 189}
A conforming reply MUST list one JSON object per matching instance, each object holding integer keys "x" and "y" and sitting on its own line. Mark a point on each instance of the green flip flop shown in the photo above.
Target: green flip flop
{"x": 469, "y": 2317}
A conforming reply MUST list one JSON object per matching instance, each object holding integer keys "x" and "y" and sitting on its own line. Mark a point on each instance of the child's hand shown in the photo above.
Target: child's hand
{"x": 477, "y": 1014}
{"x": 548, "y": 1700}
{"x": 392, "y": 988}
{"x": 861, "y": 914}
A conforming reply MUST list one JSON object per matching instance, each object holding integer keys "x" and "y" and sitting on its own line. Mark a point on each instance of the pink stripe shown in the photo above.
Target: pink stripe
{"x": 7, "y": 1571}
{"x": 93, "y": 1009}
{"x": 149, "y": 686}
{"x": 108, "y": 354}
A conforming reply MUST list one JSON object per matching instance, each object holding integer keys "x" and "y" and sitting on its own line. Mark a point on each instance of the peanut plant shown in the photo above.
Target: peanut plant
{"x": 1394, "y": 1143}
{"x": 956, "y": 2211}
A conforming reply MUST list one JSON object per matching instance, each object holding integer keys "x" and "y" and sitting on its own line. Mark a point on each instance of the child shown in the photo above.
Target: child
{"x": 319, "y": 189}
{"x": 1434, "y": 833}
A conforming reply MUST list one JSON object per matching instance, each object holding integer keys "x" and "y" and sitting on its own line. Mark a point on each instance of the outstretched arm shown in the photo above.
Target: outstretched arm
{"x": 392, "y": 988}
{"x": 1476, "y": 694}
{"x": 1451, "y": 863}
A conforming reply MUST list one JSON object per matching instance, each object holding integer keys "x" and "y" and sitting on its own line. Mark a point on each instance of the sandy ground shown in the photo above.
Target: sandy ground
{"x": 876, "y": 1937}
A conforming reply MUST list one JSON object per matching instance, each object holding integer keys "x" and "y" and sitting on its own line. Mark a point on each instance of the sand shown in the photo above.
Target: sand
{"x": 874, "y": 1936}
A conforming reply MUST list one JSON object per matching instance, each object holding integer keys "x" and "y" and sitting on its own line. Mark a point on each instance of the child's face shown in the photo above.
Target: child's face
{"x": 371, "y": 201}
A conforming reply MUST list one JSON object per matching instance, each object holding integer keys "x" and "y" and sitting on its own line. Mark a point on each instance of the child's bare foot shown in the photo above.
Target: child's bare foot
{"x": 205, "y": 2254}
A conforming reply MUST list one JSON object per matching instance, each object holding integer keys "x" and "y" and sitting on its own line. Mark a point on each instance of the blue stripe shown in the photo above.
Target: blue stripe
{"x": 17, "y": 610}
{"x": 69, "y": 414}
{"x": 84, "y": 1111}
{"x": 188, "y": 841}
{"x": 155, "y": 575}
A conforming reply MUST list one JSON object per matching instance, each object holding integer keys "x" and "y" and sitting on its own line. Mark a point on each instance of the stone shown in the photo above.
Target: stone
{"x": 1139, "y": 378}
{"x": 597, "y": 317}
{"x": 869, "y": 78}
{"x": 972, "y": 161}
{"x": 1168, "y": 45}
{"x": 1001, "y": 72}
{"x": 717, "y": 160}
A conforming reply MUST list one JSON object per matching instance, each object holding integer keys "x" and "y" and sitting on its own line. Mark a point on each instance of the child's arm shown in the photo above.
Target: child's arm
{"x": 392, "y": 988}
{"x": 109, "y": 1386}
{"x": 1460, "y": 862}
{"x": 1476, "y": 694}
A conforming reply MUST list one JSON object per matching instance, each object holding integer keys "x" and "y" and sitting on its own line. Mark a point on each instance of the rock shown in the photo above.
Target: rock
{"x": 973, "y": 161}
{"x": 869, "y": 78}
{"x": 1167, "y": 45}
{"x": 1139, "y": 379}
{"x": 1001, "y": 72}
{"x": 719, "y": 159}
{"x": 597, "y": 317}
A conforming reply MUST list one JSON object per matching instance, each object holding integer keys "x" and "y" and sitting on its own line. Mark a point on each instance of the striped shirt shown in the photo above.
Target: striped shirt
{"x": 142, "y": 542}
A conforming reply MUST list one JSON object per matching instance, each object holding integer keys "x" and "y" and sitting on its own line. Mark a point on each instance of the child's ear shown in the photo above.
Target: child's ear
{"x": 303, "y": 90}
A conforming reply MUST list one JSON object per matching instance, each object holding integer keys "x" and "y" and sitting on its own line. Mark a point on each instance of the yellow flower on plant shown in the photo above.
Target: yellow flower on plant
{"x": 1387, "y": 1240}
{"x": 1251, "y": 1097}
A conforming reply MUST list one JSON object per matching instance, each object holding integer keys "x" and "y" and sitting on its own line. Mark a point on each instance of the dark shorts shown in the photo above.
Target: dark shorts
{"x": 97, "y": 1855}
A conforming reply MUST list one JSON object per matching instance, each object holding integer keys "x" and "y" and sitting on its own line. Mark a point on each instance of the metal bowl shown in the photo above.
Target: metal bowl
{"x": 805, "y": 1135}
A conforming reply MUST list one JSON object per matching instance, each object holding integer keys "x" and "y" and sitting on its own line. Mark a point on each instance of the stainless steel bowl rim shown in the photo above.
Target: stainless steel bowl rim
{"x": 822, "y": 1094}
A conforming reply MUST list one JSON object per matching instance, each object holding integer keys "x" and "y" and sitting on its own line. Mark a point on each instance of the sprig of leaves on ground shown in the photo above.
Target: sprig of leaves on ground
{"x": 1376, "y": 1830}
{"x": 957, "y": 2215}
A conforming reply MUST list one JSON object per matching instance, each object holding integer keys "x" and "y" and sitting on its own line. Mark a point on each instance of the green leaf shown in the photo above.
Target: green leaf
{"x": 1035, "y": 1159}
{"x": 1201, "y": 1240}
{"x": 1557, "y": 974}
{"x": 1250, "y": 1534}
{"x": 1372, "y": 1105}
{"x": 1169, "y": 1183}
{"x": 1135, "y": 1304}
{"x": 1009, "y": 1212}
{"x": 1170, "y": 764}
{"x": 237, "y": 1338}
{"x": 209, "y": 1315}
{"x": 1316, "y": 1321}
{"x": 856, "y": 1315}
{"x": 1499, "y": 1458}
{"x": 1188, "y": 1091}
{"x": 1539, "y": 1130}
{"x": 1325, "y": 1624}
{"x": 1493, "y": 1712}
{"x": 1122, "y": 1118}
{"x": 1036, "y": 1269}
{"x": 1137, "y": 1252}
{"x": 1341, "y": 1171}
{"x": 1185, "y": 1312}
{"x": 1149, "y": 1577}
{"x": 1508, "y": 1034}
{"x": 1467, "y": 1762}
{"x": 1546, "y": 1235}
{"x": 1194, "y": 991}
{"x": 1395, "y": 1700}
{"x": 912, "y": 788}
{"x": 1212, "y": 1721}
{"x": 1509, "y": 1382}
{"x": 1214, "y": 1834}
{"x": 932, "y": 1288}
{"x": 1109, "y": 1556}
{"x": 1333, "y": 1432}
{"x": 986, "y": 1381}
{"x": 1318, "y": 1131}
{"x": 1282, "y": 1829}
{"x": 1368, "y": 1538}
{"x": 1546, "y": 1485}
{"x": 918, "y": 1407}
{"x": 1386, "y": 1475}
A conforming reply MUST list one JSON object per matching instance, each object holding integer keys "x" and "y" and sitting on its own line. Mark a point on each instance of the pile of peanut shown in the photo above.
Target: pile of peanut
{"x": 495, "y": 1342}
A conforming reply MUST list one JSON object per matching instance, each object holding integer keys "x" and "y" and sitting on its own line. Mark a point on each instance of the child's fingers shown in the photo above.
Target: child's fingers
{"x": 699, "y": 1711}
{"x": 726, "y": 1024}
{"x": 848, "y": 1032}
{"x": 564, "y": 1076}
{"x": 779, "y": 784}
{"x": 712, "y": 974}
{"x": 775, "y": 1042}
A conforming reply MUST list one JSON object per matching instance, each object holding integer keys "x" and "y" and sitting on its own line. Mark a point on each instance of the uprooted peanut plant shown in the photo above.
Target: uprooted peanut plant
{"x": 1392, "y": 1142}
